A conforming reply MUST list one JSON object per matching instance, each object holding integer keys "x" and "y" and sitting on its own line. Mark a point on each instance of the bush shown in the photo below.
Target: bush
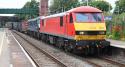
{"x": 116, "y": 27}
{"x": 116, "y": 35}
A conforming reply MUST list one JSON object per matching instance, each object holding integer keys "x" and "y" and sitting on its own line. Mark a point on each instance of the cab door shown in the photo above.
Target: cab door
{"x": 66, "y": 25}
{"x": 69, "y": 27}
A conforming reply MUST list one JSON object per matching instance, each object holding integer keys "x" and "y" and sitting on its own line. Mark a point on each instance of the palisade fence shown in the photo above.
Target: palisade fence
{"x": 116, "y": 27}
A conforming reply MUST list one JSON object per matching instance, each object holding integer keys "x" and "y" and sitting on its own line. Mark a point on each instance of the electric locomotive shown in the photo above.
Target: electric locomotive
{"x": 80, "y": 29}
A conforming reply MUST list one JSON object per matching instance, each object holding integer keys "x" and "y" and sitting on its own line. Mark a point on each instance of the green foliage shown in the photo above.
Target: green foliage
{"x": 118, "y": 20}
{"x": 33, "y": 5}
{"x": 103, "y": 5}
{"x": 120, "y": 7}
{"x": 116, "y": 35}
{"x": 108, "y": 31}
{"x": 108, "y": 23}
{"x": 63, "y": 5}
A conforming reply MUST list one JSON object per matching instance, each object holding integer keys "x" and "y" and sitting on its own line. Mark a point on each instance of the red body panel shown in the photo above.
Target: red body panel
{"x": 52, "y": 26}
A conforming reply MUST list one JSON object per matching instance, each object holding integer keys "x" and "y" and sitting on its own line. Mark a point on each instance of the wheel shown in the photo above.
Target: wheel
{"x": 86, "y": 51}
{"x": 92, "y": 50}
{"x": 68, "y": 47}
{"x": 59, "y": 42}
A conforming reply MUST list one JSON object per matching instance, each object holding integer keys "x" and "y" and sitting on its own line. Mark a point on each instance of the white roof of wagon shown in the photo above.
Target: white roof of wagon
{"x": 55, "y": 15}
{"x": 36, "y": 18}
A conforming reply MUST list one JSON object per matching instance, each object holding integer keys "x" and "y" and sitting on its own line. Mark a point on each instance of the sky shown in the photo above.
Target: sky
{"x": 20, "y": 4}
{"x": 112, "y": 2}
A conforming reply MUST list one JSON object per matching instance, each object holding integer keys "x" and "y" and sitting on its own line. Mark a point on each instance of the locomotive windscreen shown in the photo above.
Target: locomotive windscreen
{"x": 89, "y": 17}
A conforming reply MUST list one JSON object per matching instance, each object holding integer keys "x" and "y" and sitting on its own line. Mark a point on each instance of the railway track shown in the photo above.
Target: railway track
{"x": 105, "y": 62}
{"x": 96, "y": 62}
{"x": 112, "y": 61}
{"x": 60, "y": 64}
{"x": 100, "y": 61}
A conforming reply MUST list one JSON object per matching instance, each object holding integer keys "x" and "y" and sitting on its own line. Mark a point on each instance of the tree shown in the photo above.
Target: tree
{"x": 63, "y": 5}
{"x": 103, "y": 5}
{"x": 120, "y": 7}
{"x": 84, "y": 2}
{"x": 30, "y": 5}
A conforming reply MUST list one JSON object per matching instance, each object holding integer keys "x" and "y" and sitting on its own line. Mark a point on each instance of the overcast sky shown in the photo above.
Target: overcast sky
{"x": 12, "y": 3}
{"x": 20, "y": 3}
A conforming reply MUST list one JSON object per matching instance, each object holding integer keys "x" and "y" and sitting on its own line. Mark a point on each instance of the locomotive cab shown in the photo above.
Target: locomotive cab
{"x": 89, "y": 30}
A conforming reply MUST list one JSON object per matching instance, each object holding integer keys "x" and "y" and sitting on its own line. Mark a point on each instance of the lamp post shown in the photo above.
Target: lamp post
{"x": 118, "y": 10}
{"x": 87, "y": 3}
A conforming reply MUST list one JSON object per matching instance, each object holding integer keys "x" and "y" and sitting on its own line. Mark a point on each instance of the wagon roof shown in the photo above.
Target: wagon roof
{"x": 35, "y": 18}
{"x": 55, "y": 15}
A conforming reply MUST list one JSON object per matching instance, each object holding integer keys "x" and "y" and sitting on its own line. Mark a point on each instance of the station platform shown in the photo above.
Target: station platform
{"x": 11, "y": 52}
{"x": 117, "y": 43}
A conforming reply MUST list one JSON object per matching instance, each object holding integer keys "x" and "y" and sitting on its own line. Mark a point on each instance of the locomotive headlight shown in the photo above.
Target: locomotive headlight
{"x": 102, "y": 32}
{"x": 81, "y": 33}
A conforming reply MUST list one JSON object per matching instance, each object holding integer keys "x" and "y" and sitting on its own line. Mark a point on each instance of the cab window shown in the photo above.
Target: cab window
{"x": 95, "y": 17}
{"x": 88, "y": 17}
{"x": 82, "y": 17}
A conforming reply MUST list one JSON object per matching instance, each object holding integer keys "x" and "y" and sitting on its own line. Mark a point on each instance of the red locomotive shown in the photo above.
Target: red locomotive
{"x": 81, "y": 29}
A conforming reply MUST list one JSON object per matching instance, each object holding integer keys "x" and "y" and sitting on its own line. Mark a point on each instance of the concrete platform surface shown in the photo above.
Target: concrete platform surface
{"x": 11, "y": 53}
{"x": 117, "y": 43}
